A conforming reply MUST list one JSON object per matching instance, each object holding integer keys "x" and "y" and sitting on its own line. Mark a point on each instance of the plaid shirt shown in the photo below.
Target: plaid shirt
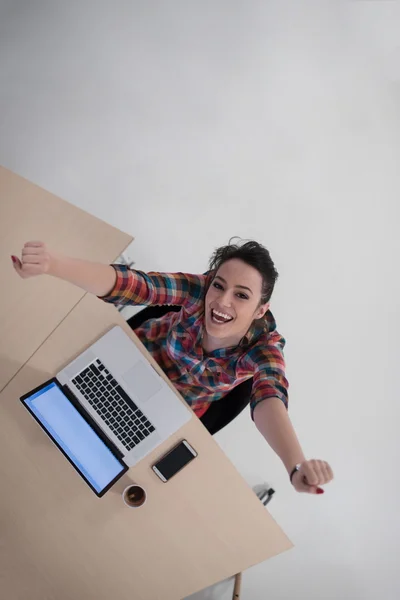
{"x": 174, "y": 341}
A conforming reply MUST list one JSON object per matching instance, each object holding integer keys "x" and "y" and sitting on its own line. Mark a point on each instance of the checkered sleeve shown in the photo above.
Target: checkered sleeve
{"x": 269, "y": 378}
{"x": 139, "y": 288}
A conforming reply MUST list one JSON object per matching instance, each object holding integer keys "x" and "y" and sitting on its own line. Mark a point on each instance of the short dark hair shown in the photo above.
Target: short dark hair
{"x": 253, "y": 254}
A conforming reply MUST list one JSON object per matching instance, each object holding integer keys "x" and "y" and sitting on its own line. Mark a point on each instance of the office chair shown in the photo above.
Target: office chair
{"x": 221, "y": 412}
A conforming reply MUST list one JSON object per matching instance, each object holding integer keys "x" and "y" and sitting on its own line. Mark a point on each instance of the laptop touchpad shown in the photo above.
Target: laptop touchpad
{"x": 143, "y": 381}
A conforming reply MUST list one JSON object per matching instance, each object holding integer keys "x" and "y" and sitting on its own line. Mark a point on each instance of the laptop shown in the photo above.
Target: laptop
{"x": 107, "y": 409}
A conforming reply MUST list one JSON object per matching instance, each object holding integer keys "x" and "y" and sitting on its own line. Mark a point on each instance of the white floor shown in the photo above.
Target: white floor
{"x": 220, "y": 591}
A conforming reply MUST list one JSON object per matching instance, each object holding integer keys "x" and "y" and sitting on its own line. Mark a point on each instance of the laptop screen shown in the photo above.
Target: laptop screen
{"x": 74, "y": 436}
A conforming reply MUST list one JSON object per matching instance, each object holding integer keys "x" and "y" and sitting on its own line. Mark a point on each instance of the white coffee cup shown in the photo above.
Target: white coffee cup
{"x": 134, "y": 496}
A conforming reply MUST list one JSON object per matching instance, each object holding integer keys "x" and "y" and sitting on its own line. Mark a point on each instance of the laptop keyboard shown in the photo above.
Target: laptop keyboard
{"x": 113, "y": 404}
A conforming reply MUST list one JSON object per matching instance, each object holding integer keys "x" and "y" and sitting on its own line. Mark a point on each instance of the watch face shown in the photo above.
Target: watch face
{"x": 296, "y": 468}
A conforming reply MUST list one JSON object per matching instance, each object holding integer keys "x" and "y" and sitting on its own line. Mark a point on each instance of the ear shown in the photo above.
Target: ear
{"x": 262, "y": 310}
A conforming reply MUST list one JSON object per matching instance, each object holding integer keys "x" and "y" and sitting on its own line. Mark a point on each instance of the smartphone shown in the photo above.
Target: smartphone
{"x": 174, "y": 461}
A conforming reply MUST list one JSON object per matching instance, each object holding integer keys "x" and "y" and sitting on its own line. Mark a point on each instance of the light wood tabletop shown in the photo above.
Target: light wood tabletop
{"x": 31, "y": 309}
{"x": 58, "y": 540}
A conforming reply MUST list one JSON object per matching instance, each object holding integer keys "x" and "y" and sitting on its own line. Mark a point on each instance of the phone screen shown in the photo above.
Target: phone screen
{"x": 175, "y": 460}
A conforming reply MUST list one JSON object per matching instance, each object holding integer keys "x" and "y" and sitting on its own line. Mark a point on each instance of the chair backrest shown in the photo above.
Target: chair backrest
{"x": 221, "y": 412}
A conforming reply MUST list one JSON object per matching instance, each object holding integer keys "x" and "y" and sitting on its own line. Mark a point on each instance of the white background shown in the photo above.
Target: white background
{"x": 186, "y": 123}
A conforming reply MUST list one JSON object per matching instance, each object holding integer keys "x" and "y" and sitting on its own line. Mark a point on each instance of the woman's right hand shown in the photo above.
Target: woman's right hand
{"x": 93, "y": 277}
{"x": 35, "y": 260}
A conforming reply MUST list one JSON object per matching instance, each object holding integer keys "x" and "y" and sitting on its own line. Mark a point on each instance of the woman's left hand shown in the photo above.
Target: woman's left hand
{"x": 311, "y": 475}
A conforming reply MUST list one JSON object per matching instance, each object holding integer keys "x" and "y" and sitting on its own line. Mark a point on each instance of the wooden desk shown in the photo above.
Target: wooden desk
{"x": 31, "y": 309}
{"x": 58, "y": 541}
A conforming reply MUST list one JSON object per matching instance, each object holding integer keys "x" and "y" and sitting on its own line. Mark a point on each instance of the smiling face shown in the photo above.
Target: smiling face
{"x": 232, "y": 303}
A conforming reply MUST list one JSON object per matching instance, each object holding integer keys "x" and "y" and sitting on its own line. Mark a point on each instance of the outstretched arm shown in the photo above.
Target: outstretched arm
{"x": 272, "y": 421}
{"x": 113, "y": 283}
{"x": 37, "y": 259}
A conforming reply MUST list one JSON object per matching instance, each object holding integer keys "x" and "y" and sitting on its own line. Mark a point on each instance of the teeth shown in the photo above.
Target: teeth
{"x": 222, "y": 315}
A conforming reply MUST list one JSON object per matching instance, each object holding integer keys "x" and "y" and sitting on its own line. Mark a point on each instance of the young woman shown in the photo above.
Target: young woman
{"x": 223, "y": 335}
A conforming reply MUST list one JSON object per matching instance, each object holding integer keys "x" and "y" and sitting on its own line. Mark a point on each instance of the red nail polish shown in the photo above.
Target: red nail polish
{"x": 13, "y": 258}
{"x": 320, "y": 491}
